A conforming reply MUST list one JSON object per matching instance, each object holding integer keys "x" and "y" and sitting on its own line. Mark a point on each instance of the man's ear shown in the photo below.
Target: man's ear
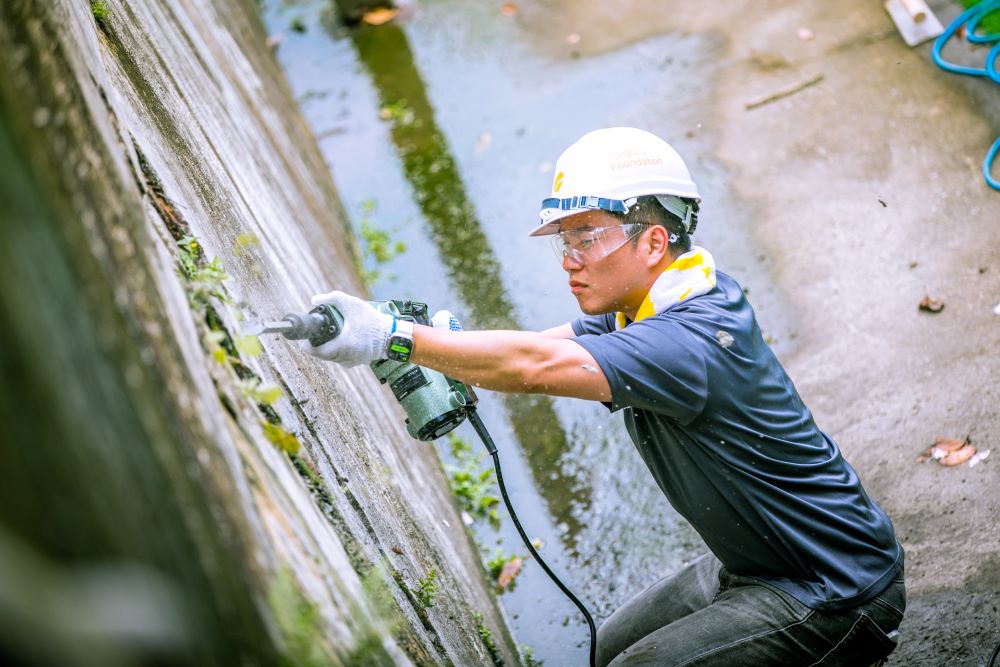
{"x": 658, "y": 244}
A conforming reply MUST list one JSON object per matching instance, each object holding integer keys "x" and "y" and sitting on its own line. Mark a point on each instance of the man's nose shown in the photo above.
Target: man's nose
{"x": 570, "y": 262}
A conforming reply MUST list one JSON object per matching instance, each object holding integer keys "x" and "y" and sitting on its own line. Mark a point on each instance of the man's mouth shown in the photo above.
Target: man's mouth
{"x": 575, "y": 286}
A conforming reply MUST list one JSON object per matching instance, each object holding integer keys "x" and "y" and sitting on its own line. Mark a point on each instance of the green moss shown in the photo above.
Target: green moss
{"x": 300, "y": 625}
{"x": 101, "y": 12}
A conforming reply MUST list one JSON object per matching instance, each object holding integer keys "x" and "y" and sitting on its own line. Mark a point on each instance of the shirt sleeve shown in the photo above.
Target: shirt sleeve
{"x": 593, "y": 324}
{"x": 653, "y": 365}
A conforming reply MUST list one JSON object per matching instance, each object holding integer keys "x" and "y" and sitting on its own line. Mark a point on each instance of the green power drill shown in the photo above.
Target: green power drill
{"x": 434, "y": 403}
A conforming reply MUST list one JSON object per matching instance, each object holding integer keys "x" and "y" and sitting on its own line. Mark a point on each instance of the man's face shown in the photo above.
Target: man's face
{"x": 610, "y": 283}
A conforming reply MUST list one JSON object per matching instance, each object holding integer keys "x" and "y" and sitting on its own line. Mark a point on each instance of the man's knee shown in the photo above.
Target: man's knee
{"x": 666, "y": 601}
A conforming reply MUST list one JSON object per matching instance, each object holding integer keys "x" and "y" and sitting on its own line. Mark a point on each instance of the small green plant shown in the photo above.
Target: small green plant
{"x": 378, "y": 246}
{"x": 427, "y": 588}
{"x": 204, "y": 278}
{"x": 487, "y": 637}
{"x": 282, "y": 439}
{"x": 100, "y": 11}
{"x": 528, "y": 657}
{"x": 472, "y": 486}
{"x": 265, "y": 393}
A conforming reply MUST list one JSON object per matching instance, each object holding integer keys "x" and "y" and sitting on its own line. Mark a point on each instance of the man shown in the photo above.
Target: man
{"x": 804, "y": 568}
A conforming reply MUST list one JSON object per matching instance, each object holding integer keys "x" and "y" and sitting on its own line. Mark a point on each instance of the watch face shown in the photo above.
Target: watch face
{"x": 400, "y": 348}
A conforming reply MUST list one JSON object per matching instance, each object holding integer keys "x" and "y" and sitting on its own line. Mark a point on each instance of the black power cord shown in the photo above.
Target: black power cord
{"x": 484, "y": 435}
{"x": 993, "y": 656}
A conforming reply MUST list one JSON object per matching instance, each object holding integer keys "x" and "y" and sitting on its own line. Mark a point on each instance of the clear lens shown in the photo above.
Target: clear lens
{"x": 590, "y": 244}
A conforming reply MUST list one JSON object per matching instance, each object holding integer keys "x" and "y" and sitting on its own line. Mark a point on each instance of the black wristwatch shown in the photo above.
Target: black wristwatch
{"x": 400, "y": 345}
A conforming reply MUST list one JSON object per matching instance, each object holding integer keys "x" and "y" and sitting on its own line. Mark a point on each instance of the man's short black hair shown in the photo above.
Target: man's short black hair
{"x": 648, "y": 210}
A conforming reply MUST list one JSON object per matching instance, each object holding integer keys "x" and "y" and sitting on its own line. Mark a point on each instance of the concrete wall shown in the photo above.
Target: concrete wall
{"x": 139, "y": 490}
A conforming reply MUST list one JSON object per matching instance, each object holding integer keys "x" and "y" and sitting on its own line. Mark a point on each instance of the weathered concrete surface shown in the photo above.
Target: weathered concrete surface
{"x": 865, "y": 192}
{"x": 131, "y": 444}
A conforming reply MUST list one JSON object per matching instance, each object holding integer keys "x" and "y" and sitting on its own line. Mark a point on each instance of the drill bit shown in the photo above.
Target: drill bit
{"x": 253, "y": 328}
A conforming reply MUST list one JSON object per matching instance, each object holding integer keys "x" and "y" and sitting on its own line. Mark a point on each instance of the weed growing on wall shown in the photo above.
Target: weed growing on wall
{"x": 473, "y": 486}
{"x": 426, "y": 589}
{"x": 378, "y": 248}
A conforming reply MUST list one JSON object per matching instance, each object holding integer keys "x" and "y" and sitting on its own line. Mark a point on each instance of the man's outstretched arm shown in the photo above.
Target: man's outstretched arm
{"x": 513, "y": 361}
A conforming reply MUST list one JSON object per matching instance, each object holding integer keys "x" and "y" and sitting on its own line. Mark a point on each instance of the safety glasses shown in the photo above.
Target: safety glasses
{"x": 586, "y": 245}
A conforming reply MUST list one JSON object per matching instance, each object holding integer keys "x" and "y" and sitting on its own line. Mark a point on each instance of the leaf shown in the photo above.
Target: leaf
{"x": 248, "y": 345}
{"x": 509, "y": 572}
{"x": 261, "y": 392}
{"x": 379, "y": 16}
{"x": 931, "y": 305}
{"x": 958, "y": 457}
{"x": 949, "y": 444}
{"x": 282, "y": 439}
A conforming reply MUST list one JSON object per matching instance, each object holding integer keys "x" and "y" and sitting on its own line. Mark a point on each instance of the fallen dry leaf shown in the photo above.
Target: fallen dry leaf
{"x": 943, "y": 448}
{"x": 958, "y": 457}
{"x": 949, "y": 444}
{"x": 927, "y": 304}
{"x": 508, "y": 8}
{"x": 379, "y": 16}
{"x": 509, "y": 572}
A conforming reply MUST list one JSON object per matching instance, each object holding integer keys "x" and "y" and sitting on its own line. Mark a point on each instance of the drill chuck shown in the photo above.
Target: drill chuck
{"x": 321, "y": 324}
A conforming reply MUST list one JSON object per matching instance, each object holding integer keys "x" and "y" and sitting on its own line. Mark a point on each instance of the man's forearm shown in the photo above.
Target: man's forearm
{"x": 513, "y": 361}
{"x": 498, "y": 360}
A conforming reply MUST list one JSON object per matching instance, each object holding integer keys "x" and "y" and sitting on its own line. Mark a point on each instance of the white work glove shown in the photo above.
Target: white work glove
{"x": 364, "y": 336}
{"x": 443, "y": 319}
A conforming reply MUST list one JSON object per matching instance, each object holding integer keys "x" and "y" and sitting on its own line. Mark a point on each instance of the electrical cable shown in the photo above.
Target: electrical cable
{"x": 993, "y": 656}
{"x": 484, "y": 435}
{"x": 970, "y": 19}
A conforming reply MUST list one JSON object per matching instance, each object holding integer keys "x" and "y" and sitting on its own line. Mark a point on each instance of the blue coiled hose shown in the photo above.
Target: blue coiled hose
{"x": 970, "y": 19}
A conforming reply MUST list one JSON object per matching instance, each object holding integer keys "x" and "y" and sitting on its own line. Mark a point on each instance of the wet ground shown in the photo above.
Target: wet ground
{"x": 839, "y": 207}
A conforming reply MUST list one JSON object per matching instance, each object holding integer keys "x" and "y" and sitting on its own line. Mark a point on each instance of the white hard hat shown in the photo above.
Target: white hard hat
{"x": 608, "y": 169}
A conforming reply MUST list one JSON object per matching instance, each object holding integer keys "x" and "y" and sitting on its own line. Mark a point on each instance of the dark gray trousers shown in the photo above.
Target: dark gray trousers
{"x": 706, "y": 615}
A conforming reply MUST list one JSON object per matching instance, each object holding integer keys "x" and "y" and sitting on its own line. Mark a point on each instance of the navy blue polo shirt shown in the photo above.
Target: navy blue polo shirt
{"x": 737, "y": 453}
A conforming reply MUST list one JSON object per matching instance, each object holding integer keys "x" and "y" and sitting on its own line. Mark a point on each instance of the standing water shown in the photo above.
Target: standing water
{"x": 441, "y": 130}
